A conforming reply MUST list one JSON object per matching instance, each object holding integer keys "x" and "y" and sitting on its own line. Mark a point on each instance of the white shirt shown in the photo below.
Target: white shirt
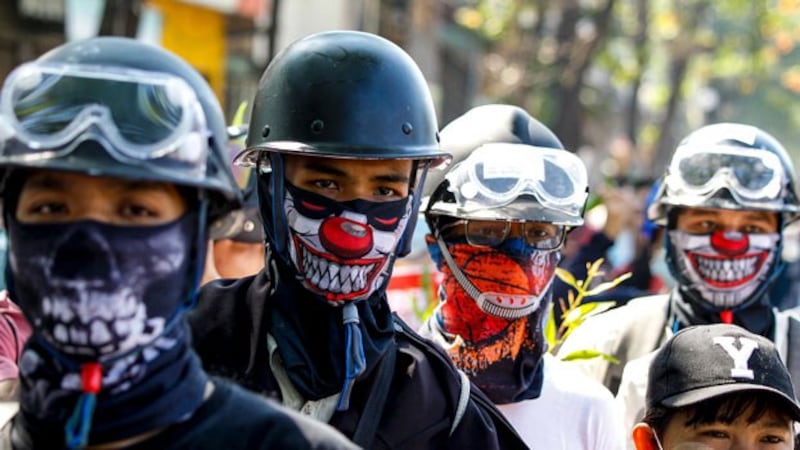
{"x": 573, "y": 412}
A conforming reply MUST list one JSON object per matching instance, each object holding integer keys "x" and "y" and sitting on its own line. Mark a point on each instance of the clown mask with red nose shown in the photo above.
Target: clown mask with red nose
{"x": 342, "y": 250}
{"x": 726, "y": 267}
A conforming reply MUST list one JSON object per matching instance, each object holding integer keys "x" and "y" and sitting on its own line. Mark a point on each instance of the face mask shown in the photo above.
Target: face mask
{"x": 623, "y": 250}
{"x": 512, "y": 281}
{"x": 498, "y": 340}
{"x": 725, "y": 267}
{"x": 93, "y": 290}
{"x": 343, "y": 250}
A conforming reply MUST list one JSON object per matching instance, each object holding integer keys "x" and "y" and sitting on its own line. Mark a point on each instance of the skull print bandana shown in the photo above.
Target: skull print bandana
{"x": 725, "y": 267}
{"x": 113, "y": 295}
{"x": 94, "y": 290}
{"x": 500, "y": 353}
{"x": 342, "y": 251}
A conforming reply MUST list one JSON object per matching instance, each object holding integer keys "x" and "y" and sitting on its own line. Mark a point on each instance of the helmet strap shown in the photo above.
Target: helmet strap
{"x": 404, "y": 246}
{"x": 462, "y": 280}
{"x": 277, "y": 188}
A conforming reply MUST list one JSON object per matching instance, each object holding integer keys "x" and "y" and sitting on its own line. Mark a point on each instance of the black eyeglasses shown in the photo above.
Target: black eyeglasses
{"x": 492, "y": 233}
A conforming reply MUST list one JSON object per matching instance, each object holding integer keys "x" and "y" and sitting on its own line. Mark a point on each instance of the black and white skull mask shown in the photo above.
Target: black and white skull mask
{"x": 343, "y": 250}
{"x": 93, "y": 289}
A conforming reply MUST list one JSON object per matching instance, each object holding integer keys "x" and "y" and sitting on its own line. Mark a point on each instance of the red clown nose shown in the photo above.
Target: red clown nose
{"x": 345, "y": 238}
{"x": 730, "y": 243}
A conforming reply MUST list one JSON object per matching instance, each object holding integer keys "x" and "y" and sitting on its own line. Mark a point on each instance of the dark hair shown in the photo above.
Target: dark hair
{"x": 724, "y": 408}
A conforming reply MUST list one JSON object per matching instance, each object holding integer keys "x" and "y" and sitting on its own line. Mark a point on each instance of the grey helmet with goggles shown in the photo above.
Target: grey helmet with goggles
{"x": 512, "y": 173}
{"x": 162, "y": 123}
{"x": 731, "y": 167}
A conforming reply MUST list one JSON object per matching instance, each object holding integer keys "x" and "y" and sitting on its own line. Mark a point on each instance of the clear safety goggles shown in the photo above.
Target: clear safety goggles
{"x": 492, "y": 233}
{"x": 46, "y": 109}
{"x": 496, "y": 174}
{"x": 750, "y": 175}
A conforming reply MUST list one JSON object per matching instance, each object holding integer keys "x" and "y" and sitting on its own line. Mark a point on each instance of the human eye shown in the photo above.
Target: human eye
{"x": 772, "y": 439}
{"x": 755, "y": 229}
{"x": 138, "y": 211}
{"x": 714, "y": 433}
{"x": 42, "y": 208}
{"x": 325, "y": 185}
{"x": 491, "y": 229}
{"x": 386, "y": 191}
{"x": 540, "y": 231}
{"x": 46, "y": 208}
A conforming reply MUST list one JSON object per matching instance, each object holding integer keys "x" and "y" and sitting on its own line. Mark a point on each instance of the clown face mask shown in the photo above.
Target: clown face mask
{"x": 343, "y": 250}
{"x": 726, "y": 267}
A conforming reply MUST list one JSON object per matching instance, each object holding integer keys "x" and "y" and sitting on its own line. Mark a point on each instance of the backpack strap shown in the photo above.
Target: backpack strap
{"x": 466, "y": 391}
{"x": 371, "y": 415}
{"x": 463, "y": 400}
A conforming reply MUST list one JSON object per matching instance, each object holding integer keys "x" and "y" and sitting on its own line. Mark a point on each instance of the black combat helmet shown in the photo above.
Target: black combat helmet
{"x": 339, "y": 94}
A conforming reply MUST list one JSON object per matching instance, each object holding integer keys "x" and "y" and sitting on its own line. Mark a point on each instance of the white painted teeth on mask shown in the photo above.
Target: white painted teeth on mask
{"x": 100, "y": 330}
{"x": 332, "y": 277}
{"x": 726, "y": 270}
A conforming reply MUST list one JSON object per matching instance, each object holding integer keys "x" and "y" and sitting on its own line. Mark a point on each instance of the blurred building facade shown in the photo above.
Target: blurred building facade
{"x": 231, "y": 41}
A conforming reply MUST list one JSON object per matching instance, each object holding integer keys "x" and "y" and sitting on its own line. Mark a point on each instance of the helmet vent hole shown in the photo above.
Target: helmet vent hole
{"x": 438, "y": 139}
{"x": 317, "y": 126}
{"x": 407, "y": 128}
{"x": 265, "y": 131}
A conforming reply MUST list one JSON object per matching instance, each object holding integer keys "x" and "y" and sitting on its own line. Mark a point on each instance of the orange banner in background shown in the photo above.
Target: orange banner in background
{"x": 197, "y": 35}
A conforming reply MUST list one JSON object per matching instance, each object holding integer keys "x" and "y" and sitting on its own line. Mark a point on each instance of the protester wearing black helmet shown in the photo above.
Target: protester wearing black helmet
{"x": 726, "y": 197}
{"x": 342, "y": 133}
{"x": 112, "y": 160}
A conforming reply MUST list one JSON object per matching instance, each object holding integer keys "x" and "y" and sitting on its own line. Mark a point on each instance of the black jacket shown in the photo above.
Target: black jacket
{"x": 230, "y": 327}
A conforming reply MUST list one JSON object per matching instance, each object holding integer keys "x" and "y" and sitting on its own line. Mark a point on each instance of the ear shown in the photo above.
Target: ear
{"x": 644, "y": 437}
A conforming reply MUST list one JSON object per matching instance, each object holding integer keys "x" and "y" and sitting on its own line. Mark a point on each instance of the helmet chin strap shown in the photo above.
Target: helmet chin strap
{"x": 462, "y": 280}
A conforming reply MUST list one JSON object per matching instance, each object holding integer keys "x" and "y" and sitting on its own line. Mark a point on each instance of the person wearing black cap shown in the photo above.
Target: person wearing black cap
{"x": 725, "y": 200}
{"x": 718, "y": 387}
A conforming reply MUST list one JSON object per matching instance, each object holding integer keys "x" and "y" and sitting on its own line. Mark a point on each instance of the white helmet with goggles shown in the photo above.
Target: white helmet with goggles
{"x": 728, "y": 166}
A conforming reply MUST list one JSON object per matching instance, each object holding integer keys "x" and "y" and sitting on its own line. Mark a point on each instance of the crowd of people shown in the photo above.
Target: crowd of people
{"x": 152, "y": 302}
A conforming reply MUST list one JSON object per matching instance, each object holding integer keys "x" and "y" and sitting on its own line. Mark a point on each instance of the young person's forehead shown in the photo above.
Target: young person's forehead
{"x": 348, "y": 166}
{"x": 724, "y": 214}
{"x": 53, "y": 180}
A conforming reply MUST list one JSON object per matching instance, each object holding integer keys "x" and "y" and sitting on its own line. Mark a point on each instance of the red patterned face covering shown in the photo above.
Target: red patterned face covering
{"x": 497, "y": 339}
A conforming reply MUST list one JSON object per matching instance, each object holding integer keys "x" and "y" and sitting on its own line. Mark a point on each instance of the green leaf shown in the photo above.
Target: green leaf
{"x": 600, "y": 307}
{"x": 602, "y": 287}
{"x": 550, "y": 329}
{"x": 565, "y": 276}
{"x": 589, "y": 354}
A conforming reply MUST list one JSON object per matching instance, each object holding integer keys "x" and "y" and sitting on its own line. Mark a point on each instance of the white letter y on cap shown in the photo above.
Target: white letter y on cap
{"x": 740, "y": 356}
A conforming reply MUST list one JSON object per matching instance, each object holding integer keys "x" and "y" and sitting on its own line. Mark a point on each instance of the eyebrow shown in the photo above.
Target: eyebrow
{"x": 754, "y": 215}
{"x": 333, "y": 171}
{"x": 49, "y": 182}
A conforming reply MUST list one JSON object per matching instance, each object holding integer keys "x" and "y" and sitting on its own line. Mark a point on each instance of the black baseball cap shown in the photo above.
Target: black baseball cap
{"x": 702, "y": 362}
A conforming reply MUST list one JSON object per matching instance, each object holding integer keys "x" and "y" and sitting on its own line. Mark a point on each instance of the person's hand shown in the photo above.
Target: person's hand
{"x": 622, "y": 208}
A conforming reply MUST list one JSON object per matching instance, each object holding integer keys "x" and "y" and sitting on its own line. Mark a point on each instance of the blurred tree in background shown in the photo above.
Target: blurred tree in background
{"x": 640, "y": 74}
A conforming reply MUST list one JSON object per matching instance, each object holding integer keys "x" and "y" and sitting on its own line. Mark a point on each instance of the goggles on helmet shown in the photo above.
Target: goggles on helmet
{"x": 750, "y": 175}
{"x": 47, "y": 109}
{"x": 496, "y": 174}
{"x": 492, "y": 233}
